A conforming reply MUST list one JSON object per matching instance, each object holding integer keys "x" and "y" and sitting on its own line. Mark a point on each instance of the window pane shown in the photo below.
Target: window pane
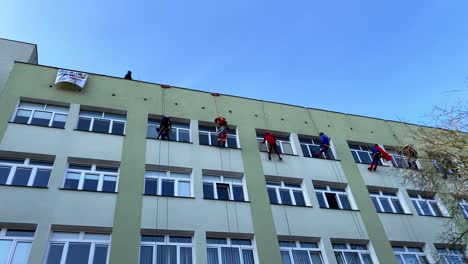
{"x": 425, "y": 207}
{"x": 376, "y": 204}
{"x": 55, "y": 254}
{"x": 339, "y": 258}
{"x": 301, "y": 256}
{"x": 109, "y": 184}
{"x": 101, "y": 126}
{"x": 22, "y": 116}
{"x": 83, "y": 124}
{"x": 272, "y": 196}
{"x": 216, "y": 241}
{"x": 232, "y": 142}
{"x": 19, "y": 233}
{"x": 396, "y": 203}
{"x": 415, "y": 203}
{"x": 386, "y": 205}
{"x": 151, "y": 131}
{"x": 166, "y": 254}
{"x": 203, "y": 139}
{"x": 21, "y": 176}
{"x": 344, "y": 201}
{"x": 305, "y": 150}
{"x": 223, "y": 191}
{"x": 65, "y": 235}
{"x": 287, "y": 148}
{"x": 100, "y": 254}
{"x": 151, "y": 186}
{"x": 118, "y": 128}
{"x": 184, "y": 135}
{"x": 332, "y": 202}
{"x": 299, "y": 198}
{"x": 365, "y": 158}
{"x": 316, "y": 257}
{"x": 208, "y": 191}
{"x": 238, "y": 193}
{"x": 152, "y": 238}
{"x": 247, "y": 256}
{"x": 212, "y": 255}
{"x": 285, "y": 257}
{"x": 117, "y": 117}
{"x": 436, "y": 209}
{"x": 5, "y": 246}
{"x": 367, "y": 258}
{"x": 352, "y": 258}
{"x": 91, "y": 182}
{"x": 167, "y": 187}
{"x": 72, "y": 180}
{"x": 21, "y": 253}
{"x": 320, "y": 199}
{"x": 185, "y": 255}
{"x": 180, "y": 239}
{"x": 30, "y": 105}
{"x": 107, "y": 169}
{"x": 78, "y": 253}
{"x": 97, "y": 236}
{"x": 230, "y": 255}
{"x": 184, "y": 188}
{"x": 42, "y": 178}
{"x": 409, "y": 258}
{"x": 58, "y": 109}
{"x": 355, "y": 156}
{"x": 285, "y": 197}
{"x": 41, "y": 118}
{"x": 4, "y": 172}
{"x": 146, "y": 255}
{"x": 214, "y": 139}
{"x": 90, "y": 113}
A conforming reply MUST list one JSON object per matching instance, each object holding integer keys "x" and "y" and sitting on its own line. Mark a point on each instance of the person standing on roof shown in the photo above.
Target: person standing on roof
{"x": 271, "y": 141}
{"x": 164, "y": 129}
{"x": 411, "y": 155}
{"x": 376, "y": 158}
{"x": 324, "y": 146}
{"x": 221, "y": 130}
{"x": 128, "y": 76}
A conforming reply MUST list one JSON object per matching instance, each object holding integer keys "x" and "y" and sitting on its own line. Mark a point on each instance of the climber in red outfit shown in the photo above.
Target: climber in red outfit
{"x": 271, "y": 141}
{"x": 221, "y": 130}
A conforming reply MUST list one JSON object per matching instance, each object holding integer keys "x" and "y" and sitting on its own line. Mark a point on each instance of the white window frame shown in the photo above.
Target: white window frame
{"x": 15, "y": 241}
{"x": 229, "y": 244}
{"x": 81, "y": 239}
{"x": 406, "y": 251}
{"x": 389, "y": 199}
{"x": 435, "y": 199}
{"x": 223, "y": 181}
{"x": 282, "y": 185}
{"x": 314, "y": 140}
{"x": 359, "y": 251}
{"x": 101, "y": 175}
{"x": 371, "y": 156}
{"x": 337, "y": 193}
{"x": 102, "y": 117}
{"x": 44, "y": 109}
{"x": 152, "y": 123}
{"x": 298, "y": 246}
{"x": 26, "y": 164}
{"x": 464, "y": 207}
{"x": 397, "y": 154}
{"x": 167, "y": 242}
{"x": 449, "y": 252}
{"x": 213, "y": 133}
{"x": 167, "y": 176}
{"x": 279, "y": 143}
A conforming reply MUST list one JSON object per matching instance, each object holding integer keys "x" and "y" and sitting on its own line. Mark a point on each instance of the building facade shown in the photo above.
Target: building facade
{"x": 83, "y": 179}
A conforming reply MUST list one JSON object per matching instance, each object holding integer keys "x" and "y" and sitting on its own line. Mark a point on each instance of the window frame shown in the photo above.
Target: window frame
{"x": 102, "y": 117}
{"x": 166, "y": 242}
{"x": 421, "y": 253}
{"x": 415, "y": 201}
{"x": 298, "y": 247}
{"x": 448, "y": 252}
{"x": 279, "y": 144}
{"x": 389, "y": 198}
{"x": 167, "y": 176}
{"x": 26, "y": 164}
{"x": 230, "y": 191}
{"x": 92, "y": 171}
{"x": 282, "y": 185}
{"x": 229, "y": 244}
{"x": 464, "y": 207}
{"x": 176, "y": 126}
{"x": 309, "y": 146}
{"x": 212, "y": 134}
{"x": 368, "y": 151}
{"x": 15, "y": 240}
{"x": 81, "y": 239}
{"x": 337, "y": 197}
{"x": 44, "y": 109}
{"x": 349, "y": 249}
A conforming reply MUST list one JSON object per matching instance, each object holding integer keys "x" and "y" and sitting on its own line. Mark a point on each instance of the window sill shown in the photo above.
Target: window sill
{"x": 435, "y": 216}
{"x": 22, "y": 186}
{"x": 64, "y": 189}
{"x": 387, "y": 166}
{"x": 291, "y": 205}
{"x": 169, "y": 196}
{"x": 322, "y": 159}
{"x": 349, "y": 210}
{"x": 216, "y": 146}
{"x": 183, "y": 142}
{"x": 285, "y": 154}
{"x": 209, "y": 199}
{"x": 388, "y": 213}
{"x": 10, "y": 122}
{"x": 102, "y": 133}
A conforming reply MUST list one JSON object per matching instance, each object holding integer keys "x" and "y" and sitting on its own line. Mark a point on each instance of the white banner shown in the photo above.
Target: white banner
{"x": 74, "y": 77}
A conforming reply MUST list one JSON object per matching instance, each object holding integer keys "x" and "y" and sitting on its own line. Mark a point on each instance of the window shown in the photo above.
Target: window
{"x": 91, "y": 178}
{"x": 230, "y": 251}
{"x": 283, "y": 143}
{"x": 311, "y": 146}
{"x": 78, "y": 248}
{"x": 425, "y": 204}
{"x": 180, "y": 131}
{"x": 41, "y": 114}
{"x": 167, "y": 183}
{"x": 410, "y": 255}
{"x": 25, "y": 172}
{"x": 300, "y": 252}
{"x": 223, "y": 188}
{"x": 351, "y": 253}
{"x": 464, "y": 207}
{"x": 332, "y": 197}
{"x": 208, "y": 136}
{"x": 285, "y": 193}
{"x": 387, "y": 202}
{"x": 15, "y": 245}
{"x": 101, "y": 122}
{"x": 450, "y": 255}
{"x": 161, "y": 249}
{"x": 399, "y": 159}
{"x": 362, "y": 153}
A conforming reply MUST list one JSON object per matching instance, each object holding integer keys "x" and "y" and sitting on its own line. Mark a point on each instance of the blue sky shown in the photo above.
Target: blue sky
{"x": 387, "y": 59}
